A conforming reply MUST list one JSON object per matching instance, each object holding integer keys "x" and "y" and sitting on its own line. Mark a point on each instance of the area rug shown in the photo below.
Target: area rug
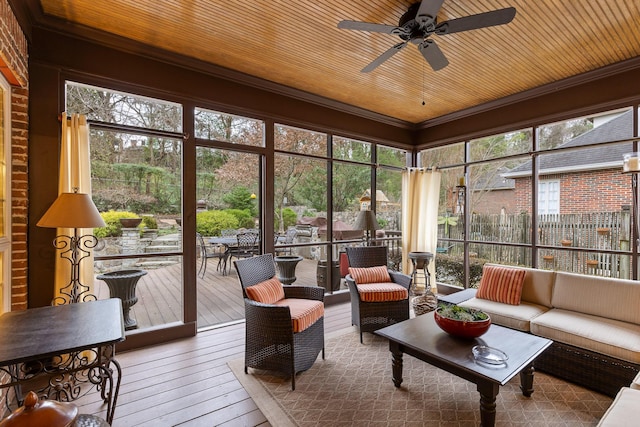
{"x": 353, "y": 387}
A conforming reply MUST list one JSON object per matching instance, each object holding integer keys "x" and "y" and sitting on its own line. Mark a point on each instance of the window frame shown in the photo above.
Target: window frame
{"x": 5, "y": 239}
{"x": 546, "y": 184}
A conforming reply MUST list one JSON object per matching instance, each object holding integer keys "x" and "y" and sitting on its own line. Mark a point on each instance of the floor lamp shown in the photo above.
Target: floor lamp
{"x": 73, "y": 210}
{"x": 366, "y": 221}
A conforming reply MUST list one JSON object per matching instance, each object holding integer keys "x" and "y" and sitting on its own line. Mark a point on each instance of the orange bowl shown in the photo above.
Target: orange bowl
{"x": 461, "y": 328}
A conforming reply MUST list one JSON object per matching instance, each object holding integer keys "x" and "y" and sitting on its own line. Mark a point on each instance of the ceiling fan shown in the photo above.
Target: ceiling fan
{"x": 420, "y": 22}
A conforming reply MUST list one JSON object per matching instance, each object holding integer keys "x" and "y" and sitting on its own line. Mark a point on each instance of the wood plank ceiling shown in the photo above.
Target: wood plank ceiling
{"x": 297, "y": 43}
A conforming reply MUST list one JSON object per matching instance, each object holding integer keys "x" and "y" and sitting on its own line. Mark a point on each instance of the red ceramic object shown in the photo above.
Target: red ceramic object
{"x": 461, "y": 328}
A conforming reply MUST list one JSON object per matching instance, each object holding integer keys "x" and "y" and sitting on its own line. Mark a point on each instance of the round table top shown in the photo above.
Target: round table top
{"x": 285, "y": 258}
{"x": 420, "y": 255}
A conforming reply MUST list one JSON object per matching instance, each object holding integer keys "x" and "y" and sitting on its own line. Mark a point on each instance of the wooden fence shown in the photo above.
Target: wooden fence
{"x": 582, "y": 241}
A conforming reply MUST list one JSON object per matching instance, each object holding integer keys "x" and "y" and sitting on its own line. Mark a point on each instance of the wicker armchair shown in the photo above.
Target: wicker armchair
{"x": 271, "y": 343}
{"x": 371, "y": 316}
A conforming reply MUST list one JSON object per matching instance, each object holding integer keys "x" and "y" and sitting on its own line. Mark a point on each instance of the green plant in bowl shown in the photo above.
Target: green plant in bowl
{"x": 465, "y": 314}
{"x": 462, "y": 322}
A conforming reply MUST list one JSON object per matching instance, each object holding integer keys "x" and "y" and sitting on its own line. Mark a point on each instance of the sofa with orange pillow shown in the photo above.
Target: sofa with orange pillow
{"x": 593, "y": 321}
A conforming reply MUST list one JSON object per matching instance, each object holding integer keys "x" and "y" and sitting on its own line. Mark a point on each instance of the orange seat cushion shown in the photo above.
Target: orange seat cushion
{"x": 381, "y": 292}
{"x": 267, "y": 292}
{"x": 370, "y": 274}
{"x": 501, "y": 284}
{"x": 304, "y": 312}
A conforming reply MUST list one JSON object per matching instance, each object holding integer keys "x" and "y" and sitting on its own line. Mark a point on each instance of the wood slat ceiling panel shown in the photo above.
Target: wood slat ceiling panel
{"x": 297, "y": 43}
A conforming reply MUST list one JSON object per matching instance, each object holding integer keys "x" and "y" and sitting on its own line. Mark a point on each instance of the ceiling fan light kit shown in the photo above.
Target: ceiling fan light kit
{"x": 420, "y": 22}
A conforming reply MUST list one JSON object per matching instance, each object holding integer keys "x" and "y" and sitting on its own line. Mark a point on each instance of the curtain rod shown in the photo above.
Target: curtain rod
{"x": 427, "y": 169}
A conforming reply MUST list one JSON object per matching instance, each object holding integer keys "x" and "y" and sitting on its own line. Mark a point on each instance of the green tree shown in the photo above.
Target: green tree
{"x": 240, "y": 198}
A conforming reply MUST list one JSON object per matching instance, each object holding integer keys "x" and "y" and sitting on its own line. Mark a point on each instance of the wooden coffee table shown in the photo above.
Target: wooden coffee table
{"x": 421, "y": 338}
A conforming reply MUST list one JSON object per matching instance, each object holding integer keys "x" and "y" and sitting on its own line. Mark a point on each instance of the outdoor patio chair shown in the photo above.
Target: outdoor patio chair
{"x": 284, "y": 324}
{"x": 228, "y": 232}
{"x": 246, "y": 247}
{"x": 205, "y": 252}
{"x": 289, "y": 238}
{"x": 379, "y": 296}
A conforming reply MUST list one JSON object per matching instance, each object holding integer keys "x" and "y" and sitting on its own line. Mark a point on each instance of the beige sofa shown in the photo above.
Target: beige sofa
{"x": 624, "y": 411}
{"x": 593, "y": 321}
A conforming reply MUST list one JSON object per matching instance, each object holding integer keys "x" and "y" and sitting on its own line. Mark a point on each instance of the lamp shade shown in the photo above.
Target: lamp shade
{"x": 72, "y": 210}
{"x": 366, "y": 220}
{"x": 631, "y": 163}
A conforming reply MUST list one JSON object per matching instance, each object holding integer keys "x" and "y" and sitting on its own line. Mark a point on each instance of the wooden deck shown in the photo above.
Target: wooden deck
{"x": 219, "y": 297}
{"x": 188, "y": 382}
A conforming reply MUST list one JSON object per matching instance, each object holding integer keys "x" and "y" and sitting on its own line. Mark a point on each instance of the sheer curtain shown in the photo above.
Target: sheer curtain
{"x": 420, "y": 199}
{"x": 75, "y": 172}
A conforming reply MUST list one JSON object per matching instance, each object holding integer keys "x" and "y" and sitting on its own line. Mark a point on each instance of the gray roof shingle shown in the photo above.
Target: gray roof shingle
{"x": 619, "y": 128}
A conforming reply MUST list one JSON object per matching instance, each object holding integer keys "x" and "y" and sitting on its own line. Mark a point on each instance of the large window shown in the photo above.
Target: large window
{"x": 548, "y": 197}
{"x": 136, "y": 172}
{"x": 577, "y": 220}
{"x": 320, "y": 184}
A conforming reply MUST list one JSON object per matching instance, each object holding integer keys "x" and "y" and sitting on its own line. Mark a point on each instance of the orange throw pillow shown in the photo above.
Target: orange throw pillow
{"x": 370, "y": 275}
{"x": 501, "y": 284}
{"x": 267, "y": 292}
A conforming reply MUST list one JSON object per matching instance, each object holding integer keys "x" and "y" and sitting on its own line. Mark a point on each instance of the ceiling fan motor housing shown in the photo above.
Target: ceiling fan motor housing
{"x": 411, "y": 29}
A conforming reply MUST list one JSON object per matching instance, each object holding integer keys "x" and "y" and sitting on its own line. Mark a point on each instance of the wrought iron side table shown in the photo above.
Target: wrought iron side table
{"x": 420, "y": 261}
{"x": 67, "y": 346}
{"x": 427, "y": 301}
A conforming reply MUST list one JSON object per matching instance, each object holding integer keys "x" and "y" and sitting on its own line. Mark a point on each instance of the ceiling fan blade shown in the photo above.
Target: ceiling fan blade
{"x": 433, "y": 55}
{"x": 481, "y": 20}
{"x": 368, "y": 26}
{"x": 428, "y": 11}
{"x": 386, "y": 55}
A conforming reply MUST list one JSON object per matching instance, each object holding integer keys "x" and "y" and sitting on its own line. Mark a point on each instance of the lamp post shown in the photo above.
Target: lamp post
{"x": 366, "y": 221}
{"x": 73, "y": 210}
{"x": 631, "y": 164}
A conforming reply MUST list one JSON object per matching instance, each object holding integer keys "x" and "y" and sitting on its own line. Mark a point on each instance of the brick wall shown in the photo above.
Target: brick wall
{"x": 14, "y": 67}
{"x": 493, "y": 202}
{"x": 590, "y": 191}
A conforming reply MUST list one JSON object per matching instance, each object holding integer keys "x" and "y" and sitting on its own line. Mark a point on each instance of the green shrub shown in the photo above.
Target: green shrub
{"x": 289, "y": 216}
{"x": 449, "y": 269}
{"x": 149, "y": 222}
{"x": 244, "y": 217}
{"x": 113, "y": 227}
{"x": 210, "y": 223}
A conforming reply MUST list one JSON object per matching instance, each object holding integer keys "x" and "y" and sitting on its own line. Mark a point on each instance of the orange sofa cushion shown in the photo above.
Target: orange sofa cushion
{"x": 381, "y": 292}
{"x": 370, "y": 275}
{"x": 304, "y": 312}
{"x": 267, "y": 292}
{"x": 501, "y": 284}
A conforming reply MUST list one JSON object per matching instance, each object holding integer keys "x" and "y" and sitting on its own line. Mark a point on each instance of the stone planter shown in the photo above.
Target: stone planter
{"x": 130, "y": 222}
{"x": 122, "y": 284}
{"x": 286, "y": 265}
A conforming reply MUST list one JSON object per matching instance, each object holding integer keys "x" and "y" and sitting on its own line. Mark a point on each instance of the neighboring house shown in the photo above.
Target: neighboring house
{"x": 494, "y": 195}
{"x": 586, "y": 180}
{"x": 383, "y": 204}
